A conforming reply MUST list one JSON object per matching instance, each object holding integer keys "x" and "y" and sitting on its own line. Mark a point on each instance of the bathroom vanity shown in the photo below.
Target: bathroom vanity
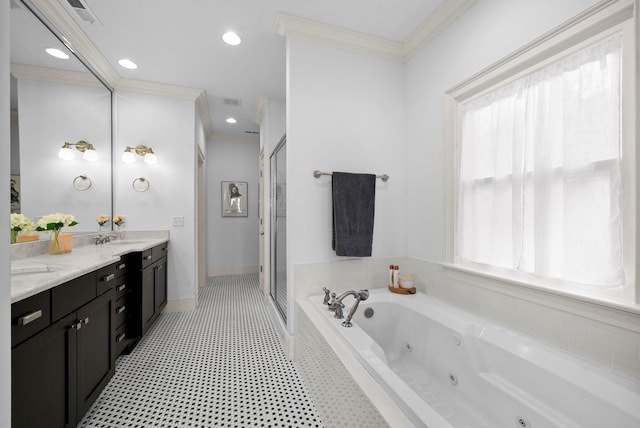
{"x": 72, "y": 318}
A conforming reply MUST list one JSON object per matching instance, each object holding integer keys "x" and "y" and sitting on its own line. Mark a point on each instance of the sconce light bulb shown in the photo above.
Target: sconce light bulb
{"x": 150, "y": 158}
{"x": 65, "y": 152}
{"x": 127, "y": 156}
{"x": 91, "y": 155}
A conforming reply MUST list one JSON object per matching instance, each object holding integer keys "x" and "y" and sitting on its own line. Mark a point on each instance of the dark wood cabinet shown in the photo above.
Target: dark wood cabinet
{"x": 153, "y": 284}
{"x": 43, "y": 378}
{"x": 58, "y": 373}
{"x": 65, "y": 340}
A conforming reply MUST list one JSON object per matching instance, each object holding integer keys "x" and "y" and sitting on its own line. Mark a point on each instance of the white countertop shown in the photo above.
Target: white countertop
{"x": 32, "y": 275}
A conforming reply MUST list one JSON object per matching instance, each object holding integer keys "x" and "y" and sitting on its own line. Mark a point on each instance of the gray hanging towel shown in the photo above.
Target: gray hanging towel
{"x": 354, "y": 197}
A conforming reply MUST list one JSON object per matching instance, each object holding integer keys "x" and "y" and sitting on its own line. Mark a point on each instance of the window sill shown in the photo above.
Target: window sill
{"x": 602, "y": 304}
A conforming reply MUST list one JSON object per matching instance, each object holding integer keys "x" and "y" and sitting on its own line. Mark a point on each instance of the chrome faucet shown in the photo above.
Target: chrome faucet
{"x": 337, "y": 305}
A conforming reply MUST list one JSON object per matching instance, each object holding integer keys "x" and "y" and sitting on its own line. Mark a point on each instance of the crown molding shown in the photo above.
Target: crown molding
{"x": 154, "y": 88}
{"x": 72, "y": 35}
{"x": 44, "y": 74}
{"x": 202, "y": 109}
{"x": 436, "y": 23}
{"x": 352, "y": 41}
{"x": 339, "y": 38}
{"x": 226, "y": 138}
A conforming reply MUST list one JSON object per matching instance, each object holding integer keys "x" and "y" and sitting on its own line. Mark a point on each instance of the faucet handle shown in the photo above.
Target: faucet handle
{"x": 326, "y": 296}
{"x": 332, "y": 302}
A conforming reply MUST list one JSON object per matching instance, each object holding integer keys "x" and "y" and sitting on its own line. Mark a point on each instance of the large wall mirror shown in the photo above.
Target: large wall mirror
{"x": 56, "y": 101}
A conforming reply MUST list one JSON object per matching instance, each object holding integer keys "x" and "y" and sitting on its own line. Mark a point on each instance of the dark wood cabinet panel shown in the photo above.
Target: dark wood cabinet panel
{"x": 43, "y": 378}
{"x": 95, "y": 349}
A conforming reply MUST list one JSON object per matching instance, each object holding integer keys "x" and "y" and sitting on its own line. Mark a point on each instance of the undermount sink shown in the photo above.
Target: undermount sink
{"x": 125, "y": 242}
{"x": 23, "y": 270}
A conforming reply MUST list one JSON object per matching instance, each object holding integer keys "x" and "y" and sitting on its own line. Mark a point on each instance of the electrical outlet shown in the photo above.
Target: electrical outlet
{"x": 178, "y": 221}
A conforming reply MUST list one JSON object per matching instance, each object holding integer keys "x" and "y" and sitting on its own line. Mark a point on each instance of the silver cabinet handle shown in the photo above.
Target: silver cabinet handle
{"x": 121, "y": 287}
{"x": 121, "y": 337}
{"x": 29, "y": 318}
{"x": 122, "y": 266}
{"x": 147, "y": 257}
{"x": 109, "y": 277}
{"x": 121, "y": 309}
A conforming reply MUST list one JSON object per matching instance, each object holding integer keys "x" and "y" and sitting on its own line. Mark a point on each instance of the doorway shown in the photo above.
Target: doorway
{"x": 278, "y": 283}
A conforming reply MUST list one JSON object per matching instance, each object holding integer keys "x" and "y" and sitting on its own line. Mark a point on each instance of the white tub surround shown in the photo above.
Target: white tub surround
{"x": 33, "y": 274}
{"x": 343, "y": 392}
{"x": 607, "y": 336}
{"x": 438, "y": 375}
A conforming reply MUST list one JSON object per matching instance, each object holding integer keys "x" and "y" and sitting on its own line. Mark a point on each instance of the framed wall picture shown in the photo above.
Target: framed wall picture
{"x": 234, "y": 199}
{"x": 15, "y": 194}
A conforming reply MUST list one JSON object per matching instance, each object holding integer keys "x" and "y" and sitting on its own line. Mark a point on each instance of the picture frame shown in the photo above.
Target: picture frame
{"x": 234, "y": 198}
{"x": 15, "y": 194}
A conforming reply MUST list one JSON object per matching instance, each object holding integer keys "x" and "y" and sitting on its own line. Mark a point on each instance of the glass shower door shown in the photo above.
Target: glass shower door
{"x": 278, "y": 288}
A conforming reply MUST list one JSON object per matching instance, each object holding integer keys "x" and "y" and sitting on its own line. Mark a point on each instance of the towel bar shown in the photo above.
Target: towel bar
{"x": 318, "y": 173}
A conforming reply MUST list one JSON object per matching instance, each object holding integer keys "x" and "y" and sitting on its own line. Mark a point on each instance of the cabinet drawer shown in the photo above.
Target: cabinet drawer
{"x": 71, "y": 295}
{"x": 29, "y": 316}
{"x": 121, "y": 338}
{"x": 159, "y": 252}
{"x": 123, "y": 288}
{"x": 147, "y": 257}
{"x": 120, "y": 315}
{"x": 107, "y": 278}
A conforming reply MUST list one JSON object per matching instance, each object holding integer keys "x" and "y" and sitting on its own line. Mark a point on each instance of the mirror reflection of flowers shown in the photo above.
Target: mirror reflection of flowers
{"x": 118, "y": 220}
{"x": 102, "y": 220}
{"x": 20, "y": 223}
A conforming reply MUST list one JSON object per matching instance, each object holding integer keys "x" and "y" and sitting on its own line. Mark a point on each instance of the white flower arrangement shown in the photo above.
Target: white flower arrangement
{"x": 21, "y": 223}
{"x": 55, "y": 222}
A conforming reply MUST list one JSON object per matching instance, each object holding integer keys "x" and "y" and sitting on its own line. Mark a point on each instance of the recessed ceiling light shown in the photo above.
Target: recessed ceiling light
{"x": 231, "y": 120}
{"x": 231, "y": 38}
{"x": 57, "y": 53}
{"x": 127, "y": 63}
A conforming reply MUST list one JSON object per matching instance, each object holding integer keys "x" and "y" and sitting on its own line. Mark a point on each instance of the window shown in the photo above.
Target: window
{"x": 543, "y": 182}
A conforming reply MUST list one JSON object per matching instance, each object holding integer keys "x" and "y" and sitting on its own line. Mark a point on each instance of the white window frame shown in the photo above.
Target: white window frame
{"x": 607, "y": 17}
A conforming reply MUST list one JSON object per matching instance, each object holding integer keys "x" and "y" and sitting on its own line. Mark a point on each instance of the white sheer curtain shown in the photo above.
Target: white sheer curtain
{"x": 540, "y": 171}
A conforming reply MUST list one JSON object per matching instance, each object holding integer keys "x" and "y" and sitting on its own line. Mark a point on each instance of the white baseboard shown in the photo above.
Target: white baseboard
{"x": 180, "y": 305}
{"x": 233, "y": 270}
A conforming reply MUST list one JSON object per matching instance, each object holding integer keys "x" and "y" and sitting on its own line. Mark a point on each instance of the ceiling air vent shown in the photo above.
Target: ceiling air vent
{"x": 252, "y": 132}
{"x": 232, "y": 102}
{"x": 83, "y": 11}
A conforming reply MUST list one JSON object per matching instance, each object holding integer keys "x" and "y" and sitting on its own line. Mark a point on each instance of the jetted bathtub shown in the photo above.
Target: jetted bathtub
{"x": 448, "y": 368}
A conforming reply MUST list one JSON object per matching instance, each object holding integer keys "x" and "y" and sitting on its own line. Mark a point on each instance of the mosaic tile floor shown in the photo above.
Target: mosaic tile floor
{"x": 218, "y": 366}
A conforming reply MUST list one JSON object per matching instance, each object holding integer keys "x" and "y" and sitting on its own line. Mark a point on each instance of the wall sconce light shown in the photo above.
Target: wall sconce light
{"x": 89, "y": 152}
{"x": 140, "y": 150}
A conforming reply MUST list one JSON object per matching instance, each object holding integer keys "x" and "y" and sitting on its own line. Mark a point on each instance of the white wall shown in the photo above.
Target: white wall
{"x": 51, "y": 114}
{"x": 488, "y": 31}
{"x": 232, "y": 242}
{"x": 345, "y": 112}
{"x": 5, "y": 292}
{"x": 165, "y": 124}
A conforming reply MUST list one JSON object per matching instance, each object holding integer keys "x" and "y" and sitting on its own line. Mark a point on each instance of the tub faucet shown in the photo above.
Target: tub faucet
{"x": 358, "y": 295}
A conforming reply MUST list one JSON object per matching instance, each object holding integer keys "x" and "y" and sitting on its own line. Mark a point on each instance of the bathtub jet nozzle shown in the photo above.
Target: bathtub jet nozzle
{"x": 358, "y": 295}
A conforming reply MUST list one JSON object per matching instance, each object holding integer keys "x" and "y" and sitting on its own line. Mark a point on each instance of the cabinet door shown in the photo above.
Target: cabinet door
{"x": 148, "y": 297}
{"x": 43, "y": 378}
{"x": 160, "y": 285}
{"x": 95, "y": 349}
